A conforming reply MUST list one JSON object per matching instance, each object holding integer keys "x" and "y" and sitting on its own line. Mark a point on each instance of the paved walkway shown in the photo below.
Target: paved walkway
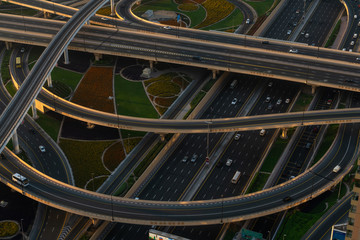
{"x": 341, "y": 33}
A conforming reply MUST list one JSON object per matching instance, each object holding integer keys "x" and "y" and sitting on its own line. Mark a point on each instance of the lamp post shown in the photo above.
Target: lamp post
{"x": 22, "y": 230}
{"x": 207, "y": 139}
{"x": 222, "y": 207}
{"x": 284, "y": 236}
{"x": 112, "y": 208}
{"x": 92, "y": 175}
{"x": 269, "y": 235}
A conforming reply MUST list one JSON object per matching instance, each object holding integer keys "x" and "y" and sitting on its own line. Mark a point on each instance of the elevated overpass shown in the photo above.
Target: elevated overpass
{"x": 46, "y": 190}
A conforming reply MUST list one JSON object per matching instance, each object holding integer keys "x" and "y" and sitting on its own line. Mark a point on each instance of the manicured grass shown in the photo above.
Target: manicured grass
{"x": 195, "y": 16}
{"x": 113, "y": 156}
{"x": 195, "y": 102}
{"x": 333, "y": 35}
{"x": 70, "y": 78}
{"x": 216, "y": 10}
{"x": 230, "y": 22}
{"x": 327, "y": 141}
{"x": 258, "y": 182}
{"x": 261, "y": 7}
{"x": 85, "y": 158}
{"x": 5, "y": 73}
{"x": 10, "y": 88}
{"x": 302, "y": 102}
{"x": 35, "y": 53}
{"x": 50, "y": 125}
{"x": 297, "y": 223}
{"x": 275, "y": 152}
{"x": 8, "y": 229}
{"x": 131, "y": 99}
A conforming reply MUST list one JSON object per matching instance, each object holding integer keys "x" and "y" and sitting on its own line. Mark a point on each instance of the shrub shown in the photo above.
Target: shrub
{"x": 216, "y": 11}
{"x": 8, "y": 229}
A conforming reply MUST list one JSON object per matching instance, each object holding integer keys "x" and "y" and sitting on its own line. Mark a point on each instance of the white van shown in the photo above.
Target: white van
{"x": 336, "y": 168}
{"x": 262, "y": 132}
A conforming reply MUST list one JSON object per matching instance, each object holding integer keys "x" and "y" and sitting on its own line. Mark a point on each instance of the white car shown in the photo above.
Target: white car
{"x": 279, "y": 102}
{"x": 262, "y": 132}
{"x": 267, "y": 99}
{"x": 22, "y": 50}
{"x": 229, "y": 162}
{"x": 167, "y": 27}
{"x": 247, "y": 21}
{"x": 194, "y": 157}
{"x": 293, "y": 50}
{"x": 42, "y": 148}
{"x": 234, "y": 101}
{"x": 237, "y": 136}
{"x": 307, "y": 35}
{"x": 104, "y": 19}
{"x": 288, "y": 32}
{"x": 185, "y": 159}
{"x": 352, "y": 43}
{"x": 287, "y": 100}
{"x": 270, "y": 84}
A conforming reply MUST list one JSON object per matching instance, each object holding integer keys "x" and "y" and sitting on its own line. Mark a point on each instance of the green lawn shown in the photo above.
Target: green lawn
{"x": 5, "y": 73}
{"x": 327, "y": 141}
{"x": 50, "y": 125}
{"x": 85, "y": 159}
{"x": 302, "y": 102}
{"x": 297, "y": 223}
{"x": 261, "y": 7}
{"x": 196, "y": 16}
{"x": 258, "y": 182}
{"x": 230, "y": 22}
{"x": 275, "y": 152}
{"x": 131, "y": 99}
{"x": 70, "y": 78}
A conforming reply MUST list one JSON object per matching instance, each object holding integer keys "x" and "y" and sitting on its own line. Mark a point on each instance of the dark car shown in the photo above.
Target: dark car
{"x": 197, "y": 58}
{"x": 287, "y": 199}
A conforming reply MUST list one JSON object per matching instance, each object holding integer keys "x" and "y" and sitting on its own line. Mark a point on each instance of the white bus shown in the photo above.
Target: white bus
{"x": 16, "y": 177}
{"x": 236, "y": 177}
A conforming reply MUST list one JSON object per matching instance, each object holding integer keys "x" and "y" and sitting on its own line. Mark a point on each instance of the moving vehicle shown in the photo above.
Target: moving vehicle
{"x": 229, "y": 162}
{"x": 270, "y": 84}
{"x": 185, "y": 159}
{"x": 236, "y": 177}
{"x": 42, "y": 148}
{"x": 336, "y": 168}
{"x": 194, "y": 157}
{"x": 355, "y": 35}
{"x": 352, "y": 43}
{"x": 20, "y": 179}
{"x": 234, "y": 101}
{"x": 18, "y": 62}
{"x": 287, "y": 199}
{"x": 270, "y": 106}
{"x": 233, "y": 84}
{"x": 287, "y": 100}
{"x": 247, "y": 21}
{"x": 262, "y": 132}
{"x": 307, "y": 35}
{"x": 279, "y": 101}
{"x": 197, "y": 58}
{"x": 167, "y": 27}
{"x": 267, "y": 99}
{"x": 237, "y": 136}
{"x": 293, "y": 50}
{"x": 288, "y": 32}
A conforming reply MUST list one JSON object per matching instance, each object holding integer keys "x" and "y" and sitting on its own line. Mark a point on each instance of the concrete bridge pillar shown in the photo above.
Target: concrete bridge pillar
{"x": 112, "y": 5}
{"x": 88, "y": 22}
{"x": 284, "y": 133}
{"x": 15, "y": 142}
{"x": 162, "y": 137}
{"x": 46, "y": 14}
{"x": 313, "y": 89}
{"x": 66, "y": 56}
{"x": 8, "y": 45}
{"x": 33, "y": 109}
{"x": 214, "y": 72}
{"x": 49, "y": 81}
{"x": 151, "y": 65}
{"x": 98, "y": 56}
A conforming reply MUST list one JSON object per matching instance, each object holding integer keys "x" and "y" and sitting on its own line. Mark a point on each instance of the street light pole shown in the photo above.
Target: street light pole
{"x": 222, "y": 207}
{"x": 207, "y": 139}
{"x": 22, "y": 230}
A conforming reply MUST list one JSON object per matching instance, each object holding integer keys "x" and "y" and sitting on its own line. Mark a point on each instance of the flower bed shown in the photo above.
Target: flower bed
{"x": 188, "y": 7}
{"x": 96, "y": 83}
{"x": 8, "y": 228}
{"x": 216, "y": 11}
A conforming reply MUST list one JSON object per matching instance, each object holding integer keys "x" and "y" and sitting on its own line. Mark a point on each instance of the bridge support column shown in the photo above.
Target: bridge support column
{"x": 151, "y": 65}
{"x": 66, "y": 56}
{"x": 214, "y": 72}
{"x": 33, "y": 109}
{"x": 15, "y": 142}
{"x": 49, "y": 81}
{"x": 98, "y": 56}
{"x": 112, "y": 6}
{"x": 46, "y": 14}
{"x": 162, "y": 137}
{"x": 284, "y": 133}
{"x": 8, "y": 45}
{"x": 313, "y": 89}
